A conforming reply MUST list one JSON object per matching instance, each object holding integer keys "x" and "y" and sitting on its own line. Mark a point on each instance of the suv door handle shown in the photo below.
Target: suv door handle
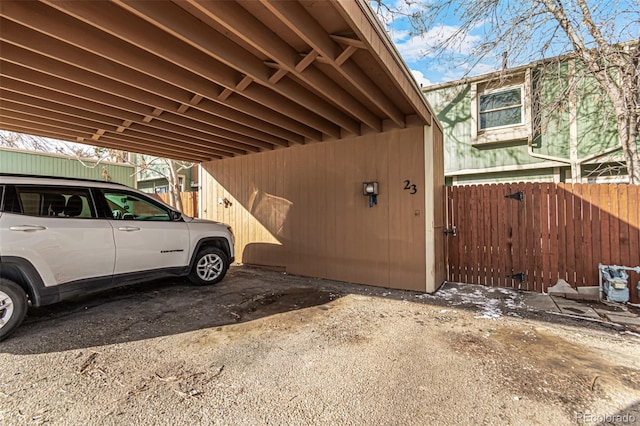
{"x": 128, "y": 228}
{"x": 27, "y": 228}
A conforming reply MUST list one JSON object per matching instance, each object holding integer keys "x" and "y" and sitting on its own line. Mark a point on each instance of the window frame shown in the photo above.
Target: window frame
{"x": 512, "y": 133}
{"x": 107, "y": 211}
{"x": 521, "y": 105}
{"x": 15, "y": 187}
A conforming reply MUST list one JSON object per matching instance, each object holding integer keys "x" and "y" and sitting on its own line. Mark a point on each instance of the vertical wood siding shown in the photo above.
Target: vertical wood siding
{"x": 302, "y": 208}
{"x": 556, "y": 231}
{"x": 189, "y": 202}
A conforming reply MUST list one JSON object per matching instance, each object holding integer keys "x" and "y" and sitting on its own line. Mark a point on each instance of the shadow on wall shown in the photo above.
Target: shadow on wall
{"x": 303, "y": 208}
{"x": 271, "y": 209}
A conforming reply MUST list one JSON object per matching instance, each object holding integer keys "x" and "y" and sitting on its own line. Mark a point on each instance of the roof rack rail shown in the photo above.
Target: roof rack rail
{"x": 59, "y": 177}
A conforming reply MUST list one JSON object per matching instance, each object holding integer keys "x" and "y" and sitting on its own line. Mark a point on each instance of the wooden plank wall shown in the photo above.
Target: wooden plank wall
{"x": 302, "y": 208}
{"x": 189, "y": 202}
{"x": 556, "y": 231}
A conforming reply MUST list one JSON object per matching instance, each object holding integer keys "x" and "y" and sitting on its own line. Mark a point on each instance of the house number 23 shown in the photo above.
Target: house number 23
{"x": 411, "y": 187}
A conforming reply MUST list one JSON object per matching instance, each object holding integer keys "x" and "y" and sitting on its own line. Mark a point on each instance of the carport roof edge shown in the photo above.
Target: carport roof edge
{"x": 199, "y": 80}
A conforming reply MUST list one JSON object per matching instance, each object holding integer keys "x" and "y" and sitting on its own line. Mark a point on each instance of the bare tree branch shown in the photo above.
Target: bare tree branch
{"x": 603, "y": 36}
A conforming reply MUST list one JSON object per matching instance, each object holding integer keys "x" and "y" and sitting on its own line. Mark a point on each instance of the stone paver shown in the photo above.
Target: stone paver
{"x": 574, "y": 308}
{"x": 623, "y": 319}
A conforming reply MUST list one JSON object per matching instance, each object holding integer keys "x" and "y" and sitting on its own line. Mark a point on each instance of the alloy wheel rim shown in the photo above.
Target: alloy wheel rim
{"x": 6, "y": 308}
{"x": 209, "y": 267}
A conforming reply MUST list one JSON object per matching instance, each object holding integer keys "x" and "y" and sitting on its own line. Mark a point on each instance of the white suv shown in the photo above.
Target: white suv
{"x": 61, "y": 238}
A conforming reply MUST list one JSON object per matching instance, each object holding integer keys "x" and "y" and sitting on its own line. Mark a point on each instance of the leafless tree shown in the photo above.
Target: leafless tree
{"x": 40, "y": 144}
{"x": 169, "y": 169}
{"x": 602, "y": 35}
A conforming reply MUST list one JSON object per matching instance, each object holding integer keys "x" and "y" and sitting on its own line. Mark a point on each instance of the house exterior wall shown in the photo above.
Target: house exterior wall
{"x": 45, "y": 164}
{"x": 453, "y": 108}
{"x": 302, "y": 209}
{"x": 575, "y": 122}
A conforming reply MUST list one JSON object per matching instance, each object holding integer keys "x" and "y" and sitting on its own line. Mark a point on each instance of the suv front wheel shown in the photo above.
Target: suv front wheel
{"x": 13, "y": 307}
{"x": 210, "y": 266}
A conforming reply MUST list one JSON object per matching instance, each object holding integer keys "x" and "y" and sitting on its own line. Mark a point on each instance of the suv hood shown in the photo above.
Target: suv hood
{"x": 190, "y": 219}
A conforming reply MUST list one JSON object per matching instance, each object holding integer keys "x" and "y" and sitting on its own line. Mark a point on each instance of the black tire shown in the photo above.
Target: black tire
{"x": 13, "y": 307}
{"x": 210, "y": 266}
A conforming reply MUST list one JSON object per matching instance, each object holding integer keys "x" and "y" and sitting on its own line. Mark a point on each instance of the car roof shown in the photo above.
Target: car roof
{"x": 16, "y": 178}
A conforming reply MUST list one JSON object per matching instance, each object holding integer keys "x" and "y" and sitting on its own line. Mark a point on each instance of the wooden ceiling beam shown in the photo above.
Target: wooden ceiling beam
{"x": 195, "y": 34}
{"x": 96, "y": 96}
{"x": 348, "y": 41}
{"x": 306, "y": 61}
{"x": 346, "y": 54}
{"x": 66, "y": 134}
{"x": 277, "y": 76}
{"x": 54, "y": 101}
{"x": 176, "y": 155}
{"x": 136, "y": 131}
{"x": 297, "y": 19}
{"x": 193, "y": 76}
{"x": 25, "y": 120}
{"x": 35, "y": 61}
{"x": 25, "y": 103}
{"x": 13, "y": 117}
{"x": 244, "y": 83}
{"x": 195, "y": 100}
{"x": 237, "y": 20}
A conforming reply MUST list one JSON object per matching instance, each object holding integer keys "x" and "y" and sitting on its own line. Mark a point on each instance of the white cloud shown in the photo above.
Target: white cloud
{"x": 423, "y": 45}
{"x": 411, "y": 48}
{"x": 420, "y": 78}
{"x": 397, "y": 36}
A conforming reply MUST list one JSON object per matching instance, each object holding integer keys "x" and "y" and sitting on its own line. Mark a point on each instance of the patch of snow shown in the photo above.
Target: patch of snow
{"x": 490, "y": 301}
{"x": 512, "y": 303}
{"x": 424, "y": 296}
{"x": 489, "y": 309}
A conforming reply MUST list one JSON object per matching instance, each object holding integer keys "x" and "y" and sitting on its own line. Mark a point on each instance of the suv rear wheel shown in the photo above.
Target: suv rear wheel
{"x": 13, "y": 307}
{"x": 210, "y": 266}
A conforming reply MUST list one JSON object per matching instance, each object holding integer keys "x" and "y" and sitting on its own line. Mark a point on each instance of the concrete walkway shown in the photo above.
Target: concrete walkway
{"x": 493, "y": 302}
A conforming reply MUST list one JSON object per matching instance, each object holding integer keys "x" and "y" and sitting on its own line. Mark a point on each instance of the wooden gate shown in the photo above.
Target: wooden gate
{"x": 528, "y": 235}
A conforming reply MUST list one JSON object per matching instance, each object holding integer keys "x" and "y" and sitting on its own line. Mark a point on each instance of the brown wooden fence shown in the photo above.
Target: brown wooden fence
{"x": 189, "y": 202}
{"x": 529, "y": 235}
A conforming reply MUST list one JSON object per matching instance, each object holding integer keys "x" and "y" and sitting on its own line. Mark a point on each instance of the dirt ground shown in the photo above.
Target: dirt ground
{"x": 263, "y": 347}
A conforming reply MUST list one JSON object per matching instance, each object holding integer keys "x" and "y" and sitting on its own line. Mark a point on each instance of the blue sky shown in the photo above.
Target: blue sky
{"x": 415, "y": 49}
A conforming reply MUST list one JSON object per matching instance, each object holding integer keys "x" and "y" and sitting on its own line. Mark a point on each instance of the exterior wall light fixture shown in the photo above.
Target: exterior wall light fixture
{"x": 371, "y": 189}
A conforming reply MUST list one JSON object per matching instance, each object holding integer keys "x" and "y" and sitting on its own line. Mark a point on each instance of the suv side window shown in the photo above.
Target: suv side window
{"x": 10, "y": 202}
{"x": 50, "y": 201}
{"x": 129, "y": 206}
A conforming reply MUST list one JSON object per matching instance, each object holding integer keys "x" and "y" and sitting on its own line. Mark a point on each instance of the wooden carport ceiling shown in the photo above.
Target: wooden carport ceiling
{"x": 200, "y": 80}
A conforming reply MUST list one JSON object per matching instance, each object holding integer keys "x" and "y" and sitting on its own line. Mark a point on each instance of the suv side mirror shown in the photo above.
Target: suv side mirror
{"x": 175, "y": 215}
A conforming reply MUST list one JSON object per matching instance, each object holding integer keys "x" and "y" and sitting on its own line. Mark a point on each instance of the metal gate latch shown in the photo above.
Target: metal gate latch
{"x": 517, "y": 277}
{"x": 451, "y": 231}
{"x": 516, "y": 196}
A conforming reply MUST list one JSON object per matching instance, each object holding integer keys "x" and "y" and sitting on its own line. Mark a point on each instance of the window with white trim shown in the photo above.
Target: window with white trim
{"x": 500, "y": 108}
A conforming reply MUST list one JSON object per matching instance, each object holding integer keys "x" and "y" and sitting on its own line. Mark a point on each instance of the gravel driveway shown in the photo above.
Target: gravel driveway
{"x": 264, "y": 347}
